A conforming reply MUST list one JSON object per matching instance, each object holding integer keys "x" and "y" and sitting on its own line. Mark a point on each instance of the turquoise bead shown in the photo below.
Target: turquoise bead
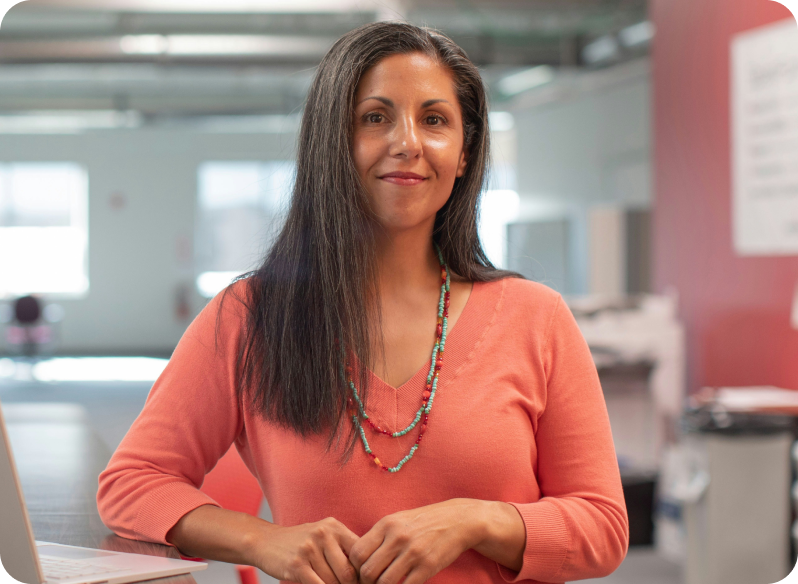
{"x": 432, "y": 378}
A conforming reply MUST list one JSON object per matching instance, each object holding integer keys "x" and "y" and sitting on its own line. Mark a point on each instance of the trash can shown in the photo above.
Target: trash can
{"x": 737, "y": 511}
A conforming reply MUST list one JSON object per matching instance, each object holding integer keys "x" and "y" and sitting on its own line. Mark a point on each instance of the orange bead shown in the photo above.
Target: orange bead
{"x": 377, "y": 462}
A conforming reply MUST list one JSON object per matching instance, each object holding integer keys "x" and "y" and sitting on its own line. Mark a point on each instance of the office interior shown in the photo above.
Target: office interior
{"x": 644, "y": 166}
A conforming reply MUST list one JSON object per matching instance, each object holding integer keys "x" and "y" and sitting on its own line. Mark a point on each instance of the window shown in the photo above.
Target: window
{"x": 43, "y": 229}
{"x": 500, "y": 203}
{"x": 241, "y": 206}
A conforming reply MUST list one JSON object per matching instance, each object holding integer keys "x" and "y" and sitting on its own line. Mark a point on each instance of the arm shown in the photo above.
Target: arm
{"x": 150, "y": 489}
{"x": 215, "y": 533}
{"x": 579, "y": 529}
{"x": 313, "y": 553}
{"x": 190, "y": 419}
{"x": 503, "y": 534}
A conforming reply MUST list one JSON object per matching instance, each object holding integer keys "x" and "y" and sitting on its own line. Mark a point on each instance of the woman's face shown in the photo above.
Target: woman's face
{"x": 408, "y": 139}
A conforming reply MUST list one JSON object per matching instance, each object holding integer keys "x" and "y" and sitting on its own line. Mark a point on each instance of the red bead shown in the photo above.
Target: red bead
{"x": 439, "y": 330}
{"x": 426, "y": 395}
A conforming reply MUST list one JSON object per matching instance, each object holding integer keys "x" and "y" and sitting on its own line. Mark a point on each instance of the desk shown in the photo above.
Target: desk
{"x": 59, "y": 458}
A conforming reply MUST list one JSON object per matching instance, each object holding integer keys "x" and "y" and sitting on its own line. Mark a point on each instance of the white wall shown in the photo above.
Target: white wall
{"x": 141, "y": 253}
{"x": 585, "y": 143}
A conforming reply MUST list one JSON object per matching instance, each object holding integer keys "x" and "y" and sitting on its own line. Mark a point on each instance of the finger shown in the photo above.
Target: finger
{"x": 346, "y": 538}
{"x": 361, "y": 550}
{"x": 395, "y": 571}
{"x": 306, "y": 575}
{"x": 323, "y": 570}
{"x": 337, "y": 560}
{"x": 417, "y": 576}
{"x": 376, "y": 564}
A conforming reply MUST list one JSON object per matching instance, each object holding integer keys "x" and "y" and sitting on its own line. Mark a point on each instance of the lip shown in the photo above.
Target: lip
{"x": 403, "y": 178}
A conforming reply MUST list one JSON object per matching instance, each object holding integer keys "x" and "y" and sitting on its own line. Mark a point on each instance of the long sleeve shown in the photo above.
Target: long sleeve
{"x": 190, "y": 419}
{"x": 579, "y": 528}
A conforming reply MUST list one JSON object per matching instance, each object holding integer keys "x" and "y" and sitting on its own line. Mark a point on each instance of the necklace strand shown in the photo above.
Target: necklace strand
{"x": 358, "y": 411}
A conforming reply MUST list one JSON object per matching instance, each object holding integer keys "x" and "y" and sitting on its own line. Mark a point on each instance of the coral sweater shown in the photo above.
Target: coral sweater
{"x": 519, "y": 417}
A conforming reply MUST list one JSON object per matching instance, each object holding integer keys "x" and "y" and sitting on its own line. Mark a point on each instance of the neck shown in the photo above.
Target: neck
{"x": 407, "y": 262}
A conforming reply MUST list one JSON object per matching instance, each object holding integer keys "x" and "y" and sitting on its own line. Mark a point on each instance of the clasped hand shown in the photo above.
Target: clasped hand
{"x": 411, "y": 545}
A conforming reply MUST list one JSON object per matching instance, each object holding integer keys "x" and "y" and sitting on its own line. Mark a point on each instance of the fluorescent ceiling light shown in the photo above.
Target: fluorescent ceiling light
{"x": 501, "y": 121}
{"x": 254, "y": 6}
{"x": 231, "y": 44}
{"x": 67, "y": 121}
{"x": 637, "y": 34}
{"x": 602, "y": 49}
{"x": 246, "y": 124}
{"x": 144, "y": 44}
{"x": 526, "y": 80}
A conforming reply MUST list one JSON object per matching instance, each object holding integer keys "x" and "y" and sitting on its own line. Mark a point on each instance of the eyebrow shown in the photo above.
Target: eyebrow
{"x": 389, "y": 103}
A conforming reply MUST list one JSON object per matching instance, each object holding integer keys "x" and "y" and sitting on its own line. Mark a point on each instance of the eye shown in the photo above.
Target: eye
{"x": 373, "y": 118}
{"x": 435, "y": 120}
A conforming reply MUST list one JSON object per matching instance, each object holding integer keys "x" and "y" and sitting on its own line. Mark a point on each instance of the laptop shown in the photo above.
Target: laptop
{"x": 36, "y": 562}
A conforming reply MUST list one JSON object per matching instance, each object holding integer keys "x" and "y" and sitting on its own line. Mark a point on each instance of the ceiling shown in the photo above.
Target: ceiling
{"x": 212, "y": 57}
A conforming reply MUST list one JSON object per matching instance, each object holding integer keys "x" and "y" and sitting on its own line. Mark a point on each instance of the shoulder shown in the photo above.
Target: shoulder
{"x": 225, "y": 315}
{"x": 524, "y": 306}
{"x": 519, "y": 290}
{"x": 235, "y": 300}
{"x": 524, "y": 297}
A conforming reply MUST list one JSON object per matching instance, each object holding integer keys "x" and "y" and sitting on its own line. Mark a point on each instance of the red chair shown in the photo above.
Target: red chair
{"x": 232, "y": 486}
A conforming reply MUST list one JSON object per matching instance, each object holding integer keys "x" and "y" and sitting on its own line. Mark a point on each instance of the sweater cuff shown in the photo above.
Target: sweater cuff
{"x": 546, "y": 543}
{"x": 164, "y": 507}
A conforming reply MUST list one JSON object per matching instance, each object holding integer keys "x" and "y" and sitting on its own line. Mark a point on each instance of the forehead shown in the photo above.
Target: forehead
{"x": 409, "y": 75}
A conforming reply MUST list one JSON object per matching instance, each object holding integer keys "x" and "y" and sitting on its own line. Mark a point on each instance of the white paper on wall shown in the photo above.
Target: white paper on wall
{"x": 764, "y": 121}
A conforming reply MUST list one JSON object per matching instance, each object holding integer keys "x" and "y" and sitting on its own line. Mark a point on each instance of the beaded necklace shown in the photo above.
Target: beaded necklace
{"x": 356, "y": 409}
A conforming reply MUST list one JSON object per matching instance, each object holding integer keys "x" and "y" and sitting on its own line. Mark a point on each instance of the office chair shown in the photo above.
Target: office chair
{"x": 232, "y": 486}
{"x": 27, "y": 329}
{"x": 27, "y": 310}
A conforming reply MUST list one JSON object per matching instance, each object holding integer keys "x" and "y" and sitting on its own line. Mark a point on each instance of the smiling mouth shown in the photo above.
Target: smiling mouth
{"x": 403, "y": 178}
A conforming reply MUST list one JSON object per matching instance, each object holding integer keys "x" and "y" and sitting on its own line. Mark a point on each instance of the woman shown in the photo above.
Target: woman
{"x": 317, "y": 366}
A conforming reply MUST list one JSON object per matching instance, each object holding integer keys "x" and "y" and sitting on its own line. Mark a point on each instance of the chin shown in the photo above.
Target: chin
{"x": 395, "y": 223}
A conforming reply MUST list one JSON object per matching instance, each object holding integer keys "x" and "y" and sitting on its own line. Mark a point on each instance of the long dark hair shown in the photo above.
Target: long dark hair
{"x": 315, "y": 292}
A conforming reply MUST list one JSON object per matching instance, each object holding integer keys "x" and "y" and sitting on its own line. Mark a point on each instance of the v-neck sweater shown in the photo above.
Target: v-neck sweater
{"x": 519, "y": 416}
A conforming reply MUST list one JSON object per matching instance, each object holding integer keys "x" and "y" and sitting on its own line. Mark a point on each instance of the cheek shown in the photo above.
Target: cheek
{"x": 365, "y": 153}
{"x": 445, "y": 156}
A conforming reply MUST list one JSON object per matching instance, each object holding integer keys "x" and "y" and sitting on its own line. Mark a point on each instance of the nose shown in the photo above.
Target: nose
{"x": 405, "y": 141}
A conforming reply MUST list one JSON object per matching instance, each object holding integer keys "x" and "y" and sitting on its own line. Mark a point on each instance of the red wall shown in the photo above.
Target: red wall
{"x": 736, "y": 310}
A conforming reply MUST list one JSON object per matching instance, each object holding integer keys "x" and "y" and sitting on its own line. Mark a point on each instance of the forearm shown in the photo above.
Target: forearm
{"x": 213, "y": 533}
{"x": 502, "y": 533}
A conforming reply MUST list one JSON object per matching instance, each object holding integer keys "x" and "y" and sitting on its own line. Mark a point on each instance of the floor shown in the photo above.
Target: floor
{"x": 113, "y": 406}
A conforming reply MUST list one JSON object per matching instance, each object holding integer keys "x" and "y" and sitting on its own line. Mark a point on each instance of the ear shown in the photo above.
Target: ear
{"x": 461, "y": 166}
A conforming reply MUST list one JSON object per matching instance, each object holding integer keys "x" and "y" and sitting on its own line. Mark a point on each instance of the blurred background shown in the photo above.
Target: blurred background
{"x": 645, "y": 166}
